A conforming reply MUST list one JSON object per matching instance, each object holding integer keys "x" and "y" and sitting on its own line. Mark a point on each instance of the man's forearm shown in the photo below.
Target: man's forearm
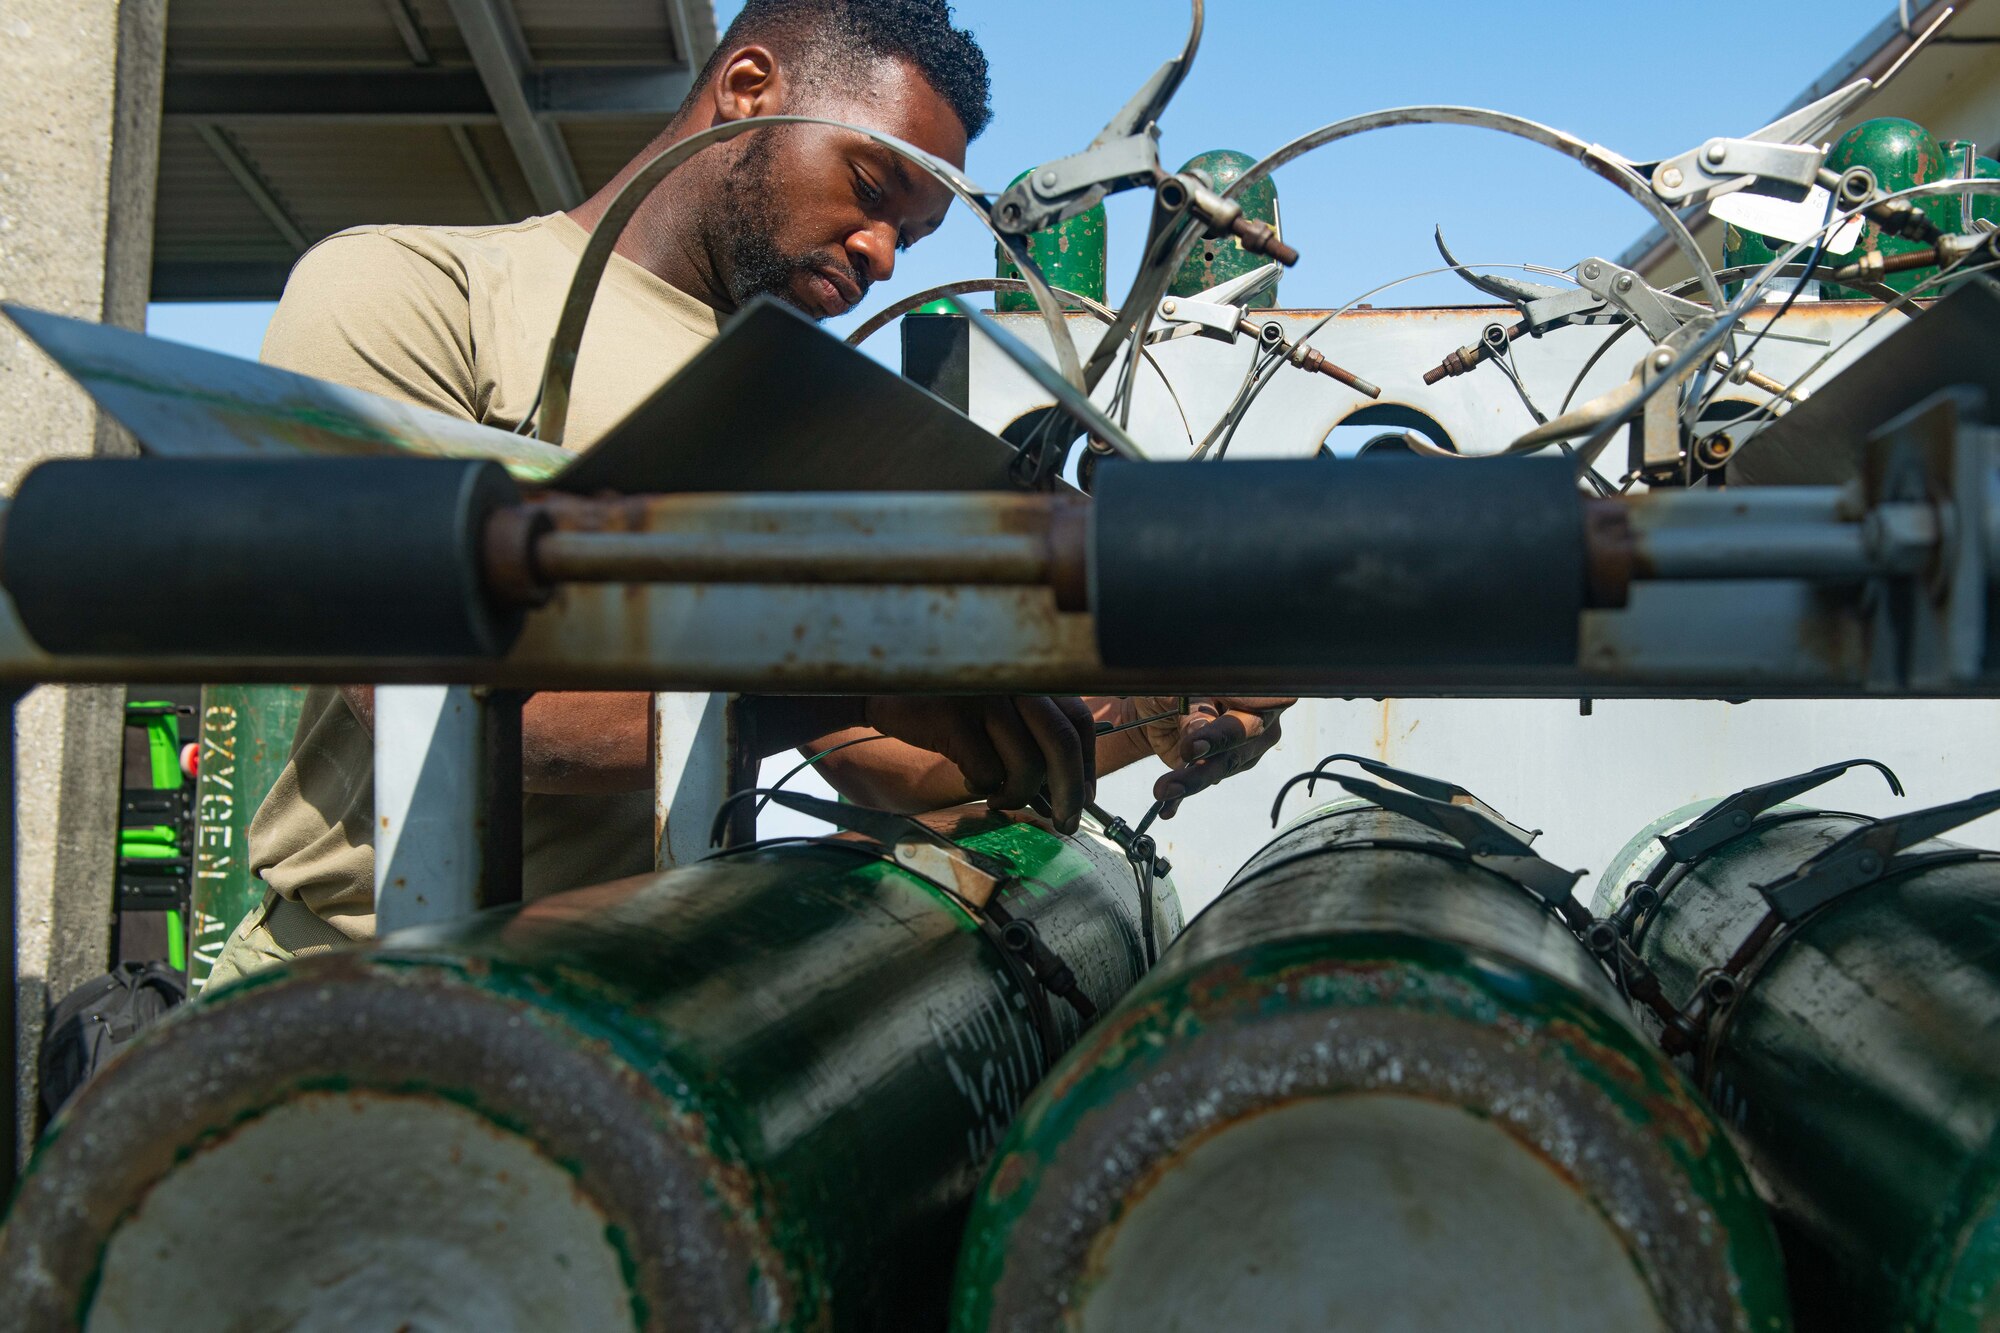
{"x": 888, "y": 774}
{"x": 572, "y": 744}
{"x": 584, "y": 744}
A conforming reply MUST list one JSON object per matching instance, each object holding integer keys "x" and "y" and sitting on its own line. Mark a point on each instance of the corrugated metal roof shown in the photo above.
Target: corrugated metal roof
{"x": 288, "y": 122}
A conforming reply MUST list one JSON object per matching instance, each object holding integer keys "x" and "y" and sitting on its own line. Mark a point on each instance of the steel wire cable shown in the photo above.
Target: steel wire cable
{"x": 1901, "y": 301}
{"x": 1698, "y": 405}
{"x": 1314, "y": 329}
{"x": 969, "y": 286}
{"x": 1732, "y": 314}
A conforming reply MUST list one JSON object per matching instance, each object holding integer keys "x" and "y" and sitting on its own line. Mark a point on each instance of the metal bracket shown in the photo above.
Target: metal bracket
{"x": 1729, "y": 819}
{"x": 1653, "y": 448}
{"x": 1782, "y": 158}
{"x": 968, "y": 878}
{"x": 1143, "y": 854}
{"x": 1124, "y": 155}
{"x": 1656, "y": 312}
{"x": 1930, "y": 632}
{"x": 1867, "y": 856}
{"x": 1057, "y": 191}
{"x": 1220, "y": 312}
{"x": 1489, "y": 840}
{"x": 972, "y": 879}
{"x": 1723, "y": 166}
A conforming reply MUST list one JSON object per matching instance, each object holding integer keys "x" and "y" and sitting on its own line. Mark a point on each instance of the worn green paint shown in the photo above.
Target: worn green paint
{"x": 823, "y": 1200}
{"x": 1902, "y": 154}
{"x": 832, "y": 1039}
{"x": 1071, "y": 255}
{"x": 1291, "y": 954}
{"x": 1856, "y": 1072}
{"x": 1216, "y": 260}
{"x": 246, "y": 735}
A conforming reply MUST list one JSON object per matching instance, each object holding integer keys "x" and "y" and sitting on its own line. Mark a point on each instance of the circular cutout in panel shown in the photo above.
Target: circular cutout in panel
{"x": 1358, "y": 431}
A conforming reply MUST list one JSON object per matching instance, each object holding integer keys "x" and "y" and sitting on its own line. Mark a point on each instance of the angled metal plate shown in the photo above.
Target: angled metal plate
{"x": 778, "y": 404}
{"x": 182, "y": 402}
{"x": 1822, "y": 441}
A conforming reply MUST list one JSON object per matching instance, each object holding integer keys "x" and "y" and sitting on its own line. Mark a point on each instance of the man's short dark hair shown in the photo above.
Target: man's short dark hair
{"x": 825, "y": 39}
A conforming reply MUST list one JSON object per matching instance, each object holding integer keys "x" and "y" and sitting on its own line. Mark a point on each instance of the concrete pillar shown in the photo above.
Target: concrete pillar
{"x": 79, "y": 154}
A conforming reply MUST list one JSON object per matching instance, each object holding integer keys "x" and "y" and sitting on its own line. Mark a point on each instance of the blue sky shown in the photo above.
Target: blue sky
{"x": 1642, "y": 80}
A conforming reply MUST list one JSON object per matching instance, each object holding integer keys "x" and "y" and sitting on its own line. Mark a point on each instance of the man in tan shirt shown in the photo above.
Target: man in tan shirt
{"x": 458, "y": 319}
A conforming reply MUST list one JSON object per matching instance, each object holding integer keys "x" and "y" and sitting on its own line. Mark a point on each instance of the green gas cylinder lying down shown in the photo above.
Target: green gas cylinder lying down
{"x": 1373, "y": 1087}
{"x": 754, "y": 1093}
{"x": 1854, "y": 1052}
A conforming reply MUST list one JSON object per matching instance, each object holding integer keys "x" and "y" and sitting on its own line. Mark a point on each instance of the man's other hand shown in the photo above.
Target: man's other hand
{"x": 1006, "y": 747}
{"x": 1216, "y": 738}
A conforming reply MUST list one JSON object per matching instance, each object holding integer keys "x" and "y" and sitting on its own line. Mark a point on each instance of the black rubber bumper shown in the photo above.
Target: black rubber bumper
{"x": 258, "y": 558}
{"x": 1315, "y": 563}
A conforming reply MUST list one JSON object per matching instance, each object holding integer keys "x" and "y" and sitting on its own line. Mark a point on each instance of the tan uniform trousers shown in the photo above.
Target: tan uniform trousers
{"x": 277, "y": 932}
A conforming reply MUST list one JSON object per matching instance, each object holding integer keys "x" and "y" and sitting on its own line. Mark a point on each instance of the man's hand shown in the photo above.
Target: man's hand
{"x": 1006, "y": 747}
{"x": 1216, "y": 738}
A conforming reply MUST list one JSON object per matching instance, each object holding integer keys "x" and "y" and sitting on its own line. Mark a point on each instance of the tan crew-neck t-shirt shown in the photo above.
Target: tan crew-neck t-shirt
{"x": 457, "y": 319}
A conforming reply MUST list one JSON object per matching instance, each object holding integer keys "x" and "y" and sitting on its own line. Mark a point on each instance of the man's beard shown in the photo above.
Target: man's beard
{"x": 745, "y": 223}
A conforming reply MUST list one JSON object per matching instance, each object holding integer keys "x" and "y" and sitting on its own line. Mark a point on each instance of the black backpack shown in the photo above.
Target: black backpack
{"x": 97, "y": 1020}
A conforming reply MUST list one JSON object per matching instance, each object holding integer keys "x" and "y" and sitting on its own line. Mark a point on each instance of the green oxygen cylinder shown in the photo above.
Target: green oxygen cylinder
{"x": 1375, "y": 1085}
{"x": 246, "y": 736}
{"x": 1070, "y": 254}
{"x": 1853, "y": 1058}
{"x": 1986, "y": 207}
{"x": 753, "y": 1093}
{"x": 1743, "y": 248}
{"x": 1215, "y": 261}
{"x": 1902, "y": 154}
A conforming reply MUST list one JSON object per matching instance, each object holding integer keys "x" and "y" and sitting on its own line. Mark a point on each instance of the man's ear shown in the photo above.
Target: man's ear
{"x": 750, "y": 84}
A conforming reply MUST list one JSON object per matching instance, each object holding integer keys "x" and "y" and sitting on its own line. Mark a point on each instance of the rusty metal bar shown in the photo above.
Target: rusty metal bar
{"x": 981, "y": 540}
{"x": 1791, "y": 532}
{"x": 689, "y": 557}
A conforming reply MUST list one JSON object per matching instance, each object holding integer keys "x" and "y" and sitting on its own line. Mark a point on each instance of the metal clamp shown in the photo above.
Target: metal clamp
{"x": 1867, "y": 856}
{"x": 973, "y": 881}
{"x": 1124, "y": 155}
{"x": 1222, "y": 312}
{"x": 1489, "y": 840}
{"x": 1611, "y": 938}
{"x": 1658, "y": 313}
{"x": 1864, "y": 858}
{"x": 1143, "y": 854}
{"x": 1731, "y": 818}
{"x": 1783, "y": 158}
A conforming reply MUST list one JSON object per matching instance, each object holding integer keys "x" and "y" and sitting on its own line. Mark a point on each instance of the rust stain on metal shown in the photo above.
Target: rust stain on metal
{"x": 1010, "y": 1173}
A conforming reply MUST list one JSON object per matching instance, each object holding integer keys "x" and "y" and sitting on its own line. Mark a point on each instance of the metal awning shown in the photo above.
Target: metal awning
{"x": 287, "y": 123}
{"x": 1951, "y": 87}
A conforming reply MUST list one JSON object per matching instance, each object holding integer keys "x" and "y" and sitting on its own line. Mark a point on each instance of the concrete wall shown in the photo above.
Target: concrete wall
{"x": 79, "y": 146}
